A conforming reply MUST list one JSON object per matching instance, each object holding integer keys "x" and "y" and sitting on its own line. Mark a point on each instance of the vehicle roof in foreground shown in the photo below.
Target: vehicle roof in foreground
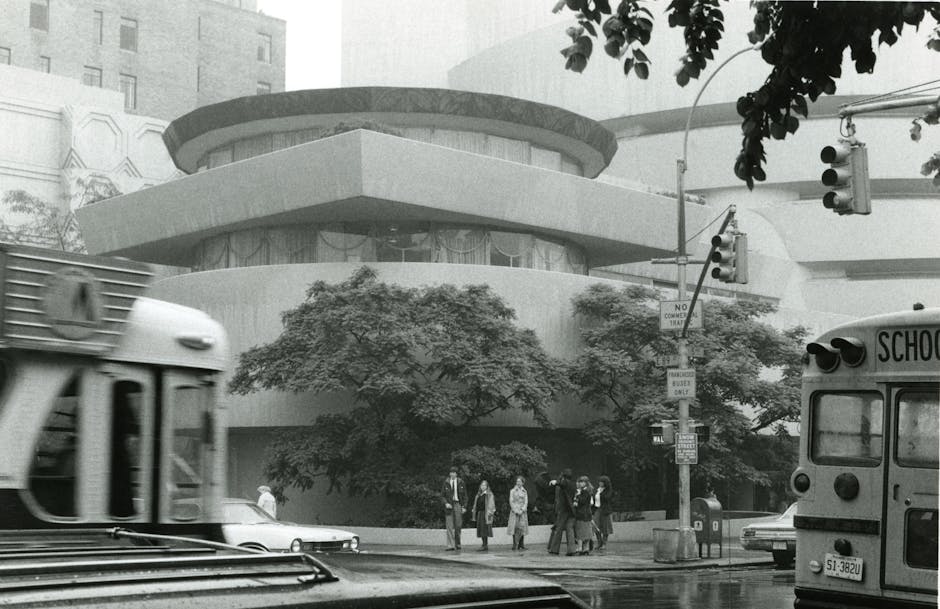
{"x": 177, "y": 577}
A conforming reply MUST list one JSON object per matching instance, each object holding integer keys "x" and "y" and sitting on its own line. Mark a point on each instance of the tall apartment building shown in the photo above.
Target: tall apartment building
{"x": 165, "y": 57}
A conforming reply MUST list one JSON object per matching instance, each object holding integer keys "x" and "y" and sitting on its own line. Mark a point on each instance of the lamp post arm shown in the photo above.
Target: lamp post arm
{"x": 688, "y": 122}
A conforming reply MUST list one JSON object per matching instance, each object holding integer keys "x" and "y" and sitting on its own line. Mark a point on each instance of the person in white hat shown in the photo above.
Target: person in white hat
{"x": 266, "y": 500}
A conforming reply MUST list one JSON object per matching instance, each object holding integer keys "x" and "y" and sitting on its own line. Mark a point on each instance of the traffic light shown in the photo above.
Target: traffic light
{"x": 731, "y": 256}
{"x": 847, "y": 176}
{"x": 663, "y": 434}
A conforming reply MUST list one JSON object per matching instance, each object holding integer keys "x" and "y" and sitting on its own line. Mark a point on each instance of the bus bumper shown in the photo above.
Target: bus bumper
{"x": 820, "y": 599}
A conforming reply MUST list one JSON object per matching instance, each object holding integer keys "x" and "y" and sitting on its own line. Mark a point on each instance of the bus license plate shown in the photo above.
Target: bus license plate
{"x": 844, "y": 567}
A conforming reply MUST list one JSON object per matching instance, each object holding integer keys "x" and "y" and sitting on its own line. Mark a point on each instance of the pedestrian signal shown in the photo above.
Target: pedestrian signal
{"x": 663, "y": 434}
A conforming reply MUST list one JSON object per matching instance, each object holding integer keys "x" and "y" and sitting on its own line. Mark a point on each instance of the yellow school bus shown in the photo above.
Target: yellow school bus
{"x": 866, "y": 523}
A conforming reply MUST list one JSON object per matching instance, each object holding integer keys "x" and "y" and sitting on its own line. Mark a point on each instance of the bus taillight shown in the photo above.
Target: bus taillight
{"x": 852, "y": 350}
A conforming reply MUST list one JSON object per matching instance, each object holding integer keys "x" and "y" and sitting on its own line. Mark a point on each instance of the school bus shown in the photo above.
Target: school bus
{"x": 867, "y": 481}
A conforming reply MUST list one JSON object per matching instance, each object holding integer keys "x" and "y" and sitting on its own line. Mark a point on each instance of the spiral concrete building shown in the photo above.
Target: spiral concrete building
{"x": 475, "y": 189}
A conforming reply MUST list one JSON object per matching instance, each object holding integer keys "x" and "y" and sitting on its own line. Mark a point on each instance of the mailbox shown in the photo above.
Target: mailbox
{"x": 706, "y": 520}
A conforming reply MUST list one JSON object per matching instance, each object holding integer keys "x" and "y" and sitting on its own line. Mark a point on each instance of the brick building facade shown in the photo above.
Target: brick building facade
{"x": 166, "y": 57}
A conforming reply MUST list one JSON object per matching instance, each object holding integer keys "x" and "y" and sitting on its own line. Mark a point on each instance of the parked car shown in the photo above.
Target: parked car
{"x": 245, "y": 524}
{"x": 778, "y": 537}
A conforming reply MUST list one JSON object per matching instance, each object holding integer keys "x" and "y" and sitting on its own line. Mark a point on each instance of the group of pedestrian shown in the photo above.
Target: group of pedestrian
{"x": 581, "y": 512}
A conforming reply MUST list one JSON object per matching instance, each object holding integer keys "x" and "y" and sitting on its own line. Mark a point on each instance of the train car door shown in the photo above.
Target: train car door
{"x": 190, "y": 489}
{"x": 125, "y": 419}
{"x": 911, "y": 525}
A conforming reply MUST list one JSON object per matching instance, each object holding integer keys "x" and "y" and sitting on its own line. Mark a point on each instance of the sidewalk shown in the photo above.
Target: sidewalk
{"x": 617, "y": 556}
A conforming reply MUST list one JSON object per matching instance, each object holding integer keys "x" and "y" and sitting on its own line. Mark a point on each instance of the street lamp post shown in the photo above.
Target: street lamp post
{"x": 686, "y": 549}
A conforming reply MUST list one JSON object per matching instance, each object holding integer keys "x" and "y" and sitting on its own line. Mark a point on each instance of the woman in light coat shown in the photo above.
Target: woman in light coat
{"x": 484, "y": 508}
{"x": 518, "y": 526}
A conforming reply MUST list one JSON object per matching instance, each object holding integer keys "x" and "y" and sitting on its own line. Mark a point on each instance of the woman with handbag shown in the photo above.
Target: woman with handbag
{"x": 484, "y": 507}
{"x": 518, "y": 525}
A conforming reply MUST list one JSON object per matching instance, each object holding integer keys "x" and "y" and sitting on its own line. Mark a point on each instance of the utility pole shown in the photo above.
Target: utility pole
{"x": 687, "y": 546}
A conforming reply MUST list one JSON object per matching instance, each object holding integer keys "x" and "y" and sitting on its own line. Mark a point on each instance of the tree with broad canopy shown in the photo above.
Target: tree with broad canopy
{"x": 421, "y": 365}
{"x": 747, "y": 362}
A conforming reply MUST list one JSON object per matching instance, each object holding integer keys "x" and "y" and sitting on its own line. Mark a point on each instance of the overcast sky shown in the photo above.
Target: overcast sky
{"x": 313, "y": 41}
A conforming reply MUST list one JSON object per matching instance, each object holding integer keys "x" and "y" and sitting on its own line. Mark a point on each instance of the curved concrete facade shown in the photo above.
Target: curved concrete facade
{"x": 196, "y": 134}
{"x": 249, "y": 302}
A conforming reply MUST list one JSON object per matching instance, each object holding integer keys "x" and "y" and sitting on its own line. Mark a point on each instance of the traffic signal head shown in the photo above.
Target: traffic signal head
{"x": 730, "y": 255}
{"x": 847, "y": 177}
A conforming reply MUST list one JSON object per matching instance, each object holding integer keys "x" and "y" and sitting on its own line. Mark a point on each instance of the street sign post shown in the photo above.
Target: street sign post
{"x": 687, "y": 448}
{"x": 680, "y": 384}
{"x": 672, "y": 314}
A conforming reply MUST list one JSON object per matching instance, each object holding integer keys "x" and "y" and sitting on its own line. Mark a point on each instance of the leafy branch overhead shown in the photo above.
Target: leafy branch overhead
{"x": 802, "y": 42}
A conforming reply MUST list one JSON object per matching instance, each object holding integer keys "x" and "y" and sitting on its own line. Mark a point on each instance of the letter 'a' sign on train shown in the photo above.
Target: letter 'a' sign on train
{"x": 910, "y": 347}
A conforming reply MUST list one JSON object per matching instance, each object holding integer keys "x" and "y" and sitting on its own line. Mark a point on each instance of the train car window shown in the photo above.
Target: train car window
{"x": 189, "y": 407}
{"x": 846, "y": 428}
{"x": 52, "y": 477}
{"x": 918, "y": 429}
{"x": 920, "y": 549}
{"x": 126, "y": 454}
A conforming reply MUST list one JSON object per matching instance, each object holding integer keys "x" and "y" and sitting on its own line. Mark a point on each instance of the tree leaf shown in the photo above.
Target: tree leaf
{"x": 642, "y": 71}
{"x": 627, "y": 66}
{"x": 639, "y": 55}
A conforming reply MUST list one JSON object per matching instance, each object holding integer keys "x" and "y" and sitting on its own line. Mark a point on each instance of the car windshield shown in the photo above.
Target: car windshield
{"x": 246, "y": 513}
{"x": 789, "y": 514}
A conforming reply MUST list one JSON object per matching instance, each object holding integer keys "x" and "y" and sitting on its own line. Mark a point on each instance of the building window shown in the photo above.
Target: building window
{"x": 45, "y": 64}
{"x": 98, "y": 26}
{"x": 129, "y": 89}
{"x": 91, "y": 76}
{"x": 39, "y": 15}
{"x": 263, "y": 88}
{"x": 198, "y": 78}
{"x": 129, "y": 34}
{"x": 5, "y": 55}
{"x": 264, "y": 48}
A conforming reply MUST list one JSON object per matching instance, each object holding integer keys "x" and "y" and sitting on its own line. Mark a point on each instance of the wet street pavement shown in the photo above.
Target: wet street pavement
{"x": 755, "y": 588}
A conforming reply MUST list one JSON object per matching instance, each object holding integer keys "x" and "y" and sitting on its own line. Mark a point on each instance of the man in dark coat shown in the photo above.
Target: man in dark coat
{"x": 564, "y": 514}
{"x": 454, "y": 494}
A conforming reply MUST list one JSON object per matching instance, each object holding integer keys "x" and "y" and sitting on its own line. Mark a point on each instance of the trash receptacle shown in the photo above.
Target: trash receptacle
{"x": 706, "y": 520}
{"x": 666, "y": 545}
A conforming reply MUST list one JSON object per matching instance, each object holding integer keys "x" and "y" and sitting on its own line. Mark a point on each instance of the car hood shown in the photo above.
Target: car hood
{"x": 289, "y": 532}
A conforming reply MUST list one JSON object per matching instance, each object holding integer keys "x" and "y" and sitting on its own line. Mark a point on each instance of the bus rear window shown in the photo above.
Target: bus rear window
{"x": 918, "y": 430}
{"x": 846, "y": 428}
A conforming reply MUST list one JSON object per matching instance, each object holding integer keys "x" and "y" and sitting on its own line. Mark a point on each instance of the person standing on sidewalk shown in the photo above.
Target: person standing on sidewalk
{"x": 564, "y": 514}
{"x": 454, "y": 493}
{"x": 518, "y": 526}
{"x": 603, "y": 524}
{"x": 583, "y": 526}
{"x": 484, "y": 508}
{"x": 266, "y": 500}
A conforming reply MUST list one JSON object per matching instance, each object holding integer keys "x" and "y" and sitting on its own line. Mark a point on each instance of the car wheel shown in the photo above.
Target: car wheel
{"x": 253, "y": 546}
{"x": 783, "y": 558}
